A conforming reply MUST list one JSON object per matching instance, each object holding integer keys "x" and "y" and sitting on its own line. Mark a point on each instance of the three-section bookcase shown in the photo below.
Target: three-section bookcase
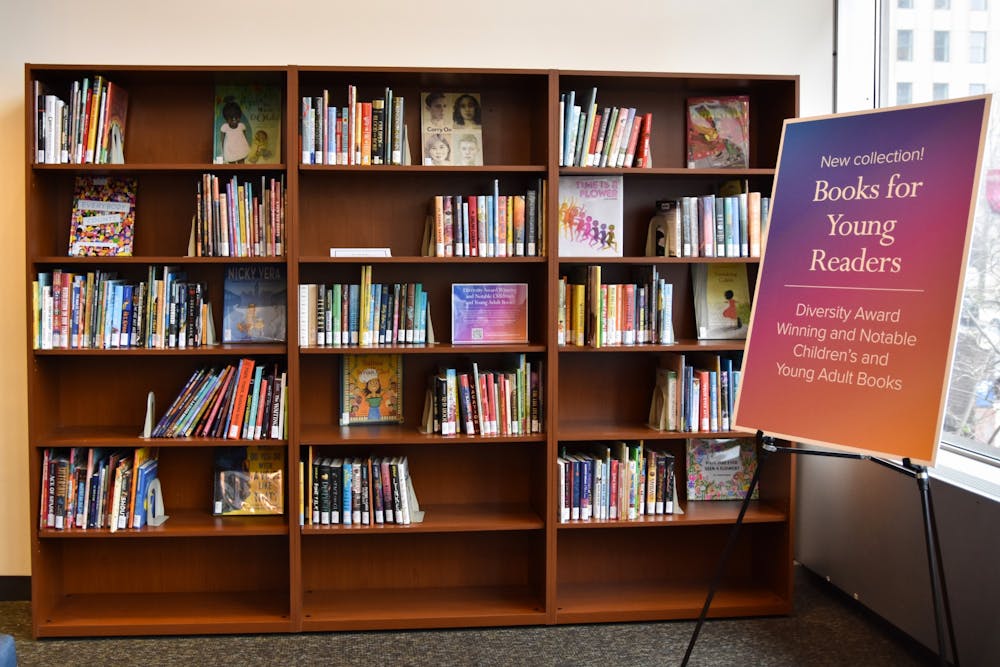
{"x": 491, "y": 550}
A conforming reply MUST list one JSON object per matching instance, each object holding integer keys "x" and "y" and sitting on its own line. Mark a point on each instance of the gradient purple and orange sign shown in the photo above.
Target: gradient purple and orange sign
{"x": 859, "y": 286}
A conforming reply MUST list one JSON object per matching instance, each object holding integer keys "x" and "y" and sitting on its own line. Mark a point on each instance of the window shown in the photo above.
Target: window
{"x": 976, "y": 5}
{"x": 941, "y": 41}
{"x": 904, "y": 45}
{"x": 942, "y": 4}
{"x": 904, "y": 92}
{"x": 977, "y": 47}
{"x": 977, "y": 88}
{"x": 904, "y": 4}
{"x": 940, "y": 91}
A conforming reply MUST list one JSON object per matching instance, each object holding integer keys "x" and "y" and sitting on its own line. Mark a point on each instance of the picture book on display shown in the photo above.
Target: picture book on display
{"x": 371, "y": 389}
{"x": 254, "y": 304}
{"x": 247, "y": 125}
{"x": 113, "y": 142}
{"x": 489, "y": 313}
{"x": 249, "y": 480}
{"x": 721, "y": 300}
{"x": 590, "y": 216}
{"x": 720, "y": 469}
{"x": 103, "y": 218}
{"x": 451, "y": 128}
{"x": 718, "y": 131}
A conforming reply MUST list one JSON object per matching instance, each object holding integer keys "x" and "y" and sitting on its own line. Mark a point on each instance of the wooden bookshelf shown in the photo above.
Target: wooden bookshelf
{"x": 490, "y": 550}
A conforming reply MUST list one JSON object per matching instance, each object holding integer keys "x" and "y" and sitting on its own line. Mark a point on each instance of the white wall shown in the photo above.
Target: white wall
{"x": 737, "y": 36}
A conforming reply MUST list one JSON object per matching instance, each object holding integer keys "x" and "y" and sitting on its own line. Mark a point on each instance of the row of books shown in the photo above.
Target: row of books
{"x": 235, "y": 219}
{"x": 712, "y": 225}
{"x": 490, "y": 402}
{"x": 602, "y": 137}
{"x": 487, "y": 225}
{"x": 244, "y": 400}
{"x": 99, "y": 310}
{"x": 599, "y": 314}
{"x": 695, "y": 392}
{"x": 92, "y": 487}
{"x": 370, "y": 490}
{"x": 620, "y": 481}
{"x": 352, "y": 314}
{"x": 358, "y": 132}
{"x": 89, "y": 128}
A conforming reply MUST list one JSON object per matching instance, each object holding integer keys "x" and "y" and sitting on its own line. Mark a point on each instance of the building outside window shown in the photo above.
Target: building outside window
{"x": 904, "y": 45}
{"x": 977, "y": 88}
{"x": 942, "y": 4}
{"x": 942, "y": 40}
{"x": 940, "y": 91}
{"x": 977, "y": 46}
{"x": 904, "y": 92}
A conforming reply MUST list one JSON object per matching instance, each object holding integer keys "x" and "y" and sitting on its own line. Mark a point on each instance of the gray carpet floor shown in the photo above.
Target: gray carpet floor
{"x": 827, "y": 628}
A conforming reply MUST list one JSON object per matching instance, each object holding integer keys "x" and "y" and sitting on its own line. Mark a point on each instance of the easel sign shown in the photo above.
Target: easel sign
{"x": 859, "y": 287}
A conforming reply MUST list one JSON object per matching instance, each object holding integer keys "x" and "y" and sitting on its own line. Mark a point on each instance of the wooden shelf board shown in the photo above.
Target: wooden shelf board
{"x": 665, "y": 171}
{"x": 684, "y": 345}
{"x": 184, "y": 523}
{"x": 603, "y": 430}
{"x": 421, "y": 608}
{"x": 696, "y": 513}
{"x": 437, "y": 348}
{"x": 139, "y": 167}
{"x": 127, "y": 436}
{"x": 226, "y": 350}
{"x": 412, "y": 259}
{"x": 149, "y": 613}
{"x": 409, "y": 169}
{"x": 447, "y": 519}
{"x": 153, "y": 259}
{"x": 329, "y": 434}
{"x": 642, "y": 601}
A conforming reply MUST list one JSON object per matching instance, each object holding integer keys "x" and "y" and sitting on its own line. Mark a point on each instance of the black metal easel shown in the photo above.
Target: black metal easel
{"x": 942, "y": 610}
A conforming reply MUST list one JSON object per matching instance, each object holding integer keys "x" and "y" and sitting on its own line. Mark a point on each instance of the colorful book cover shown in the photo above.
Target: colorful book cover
{"x": 720, "y": 469}
{"x": 254, "y": 304}
{"x": 590, "y": 216}
{"x": 249, "y": 481}
{"x": 451, "y": 128}
{"x": 103, "y": 217}
{"x": 484, "y": 313}
{"x": 247, "y": 125}
{"x": 721, "y": 300}
{"x": 113, "y": 144}
{"x": 370, "y": 389}
{"x": 718, "y": 131}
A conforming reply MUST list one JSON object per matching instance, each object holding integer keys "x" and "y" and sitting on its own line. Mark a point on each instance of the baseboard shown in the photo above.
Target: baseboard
{"x": 15, "y": 588}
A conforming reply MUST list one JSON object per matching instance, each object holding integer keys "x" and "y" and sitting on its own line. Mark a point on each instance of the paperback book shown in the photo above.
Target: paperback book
{"x": 721, "y": 300}
{"x": 484, "y": 313}
{"x": 590, "y": 216}
{"x": 103, "y": 217}
{"x": 247, "y": 126}
{"x": 718, "y": 131}
{"x": 254, "y": 304}
{"x": 249, "y": 480}
{"x": 451, "y": 128}
{"x": 720, "y": 469}
{"x": 371, "y": 389}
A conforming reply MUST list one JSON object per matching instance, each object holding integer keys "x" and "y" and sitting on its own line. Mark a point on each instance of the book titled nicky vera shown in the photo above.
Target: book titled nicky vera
{"x": 103, "y": 216}
{"x": 485, "y": 313}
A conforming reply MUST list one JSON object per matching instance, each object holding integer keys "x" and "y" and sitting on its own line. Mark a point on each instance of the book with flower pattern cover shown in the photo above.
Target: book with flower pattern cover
{"x": 103, "y": 218}
{"x": 720, "y": 469}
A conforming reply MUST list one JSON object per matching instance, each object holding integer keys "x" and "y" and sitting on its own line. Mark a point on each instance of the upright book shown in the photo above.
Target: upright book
{"x": 247, "y": 126}
{"x": 451, "y": 128}
{"x": 721, "y": 300}
{"x": 371, "y": 389}
{"x": 718, "y": 131}
{"x": 254, "y": 304}
{"x": 103, "y": 216}
{"x": 590, "y": 216}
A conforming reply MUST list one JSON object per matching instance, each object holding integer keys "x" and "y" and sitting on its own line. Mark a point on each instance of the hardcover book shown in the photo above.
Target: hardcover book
{"x": 590, "y": 216}
{"x": 721, "y": 300}
{"x": 370, "y": 389}
{"x": 720, "y": 469}
{"x": 113, "y": 143}
{"x": 483, "y": 313}
{"x": 249, "y": 480}
{"x": 247, "y": 125}
{"x": 451, "y": 128}
{"x": 103, "y": 217}
{"x": 718, "y": 131}
{"x": 254, "y": 304}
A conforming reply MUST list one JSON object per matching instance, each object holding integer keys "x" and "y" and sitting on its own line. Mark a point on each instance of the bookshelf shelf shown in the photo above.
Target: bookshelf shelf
{"x": 490, "y": 550}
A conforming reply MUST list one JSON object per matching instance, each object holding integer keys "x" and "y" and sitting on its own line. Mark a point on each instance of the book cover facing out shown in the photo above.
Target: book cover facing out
{"x": 720, "y": 469}
{"x": 590, "y": 216}
{"x": 247, "y": 127}
{"x": 721, "y": 300}
{"x": 249, "y": 480}
{"x": 103, "y": 216}
{"x": 370, "y": 389}
{"x": 484, "y": 313}
{"x": 451, "y": 128}
{"x": 718, "y": 132}
{"x": 254, "y": 304}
